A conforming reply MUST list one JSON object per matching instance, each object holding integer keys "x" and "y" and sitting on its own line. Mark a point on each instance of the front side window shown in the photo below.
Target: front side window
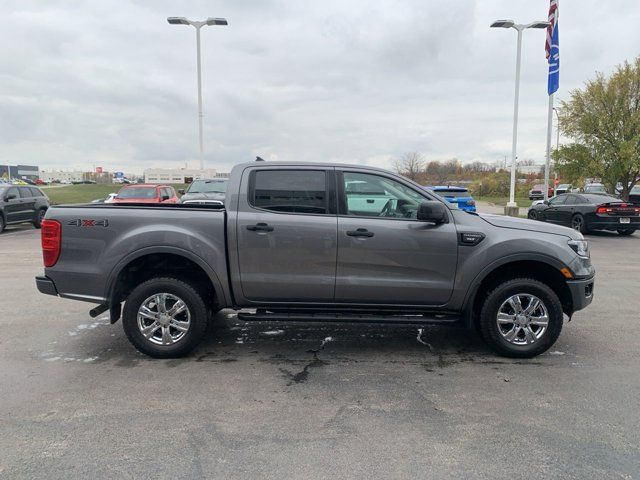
{"x": 370, "y": 195}
{"x": 13, "y": 191}
{"x": 290, "y": 191}
{"x": 559, "y": 200}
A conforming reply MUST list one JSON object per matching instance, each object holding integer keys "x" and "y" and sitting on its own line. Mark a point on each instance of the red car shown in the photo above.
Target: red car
{"x": 537, "y": 192}
{"x": 141, "y": 193}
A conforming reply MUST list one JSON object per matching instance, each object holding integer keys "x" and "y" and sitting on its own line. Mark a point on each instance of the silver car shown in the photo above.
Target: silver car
{"x": 205, "y": 192}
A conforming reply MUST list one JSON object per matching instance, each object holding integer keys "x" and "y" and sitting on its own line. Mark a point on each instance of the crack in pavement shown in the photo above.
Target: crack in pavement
{"x": 303, "y": 375}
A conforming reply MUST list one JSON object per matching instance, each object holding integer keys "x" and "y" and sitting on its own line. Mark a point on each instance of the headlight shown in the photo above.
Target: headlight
{"x": 581, "y": 247}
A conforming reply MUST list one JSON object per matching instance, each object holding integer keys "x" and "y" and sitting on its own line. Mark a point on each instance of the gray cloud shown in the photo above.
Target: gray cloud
{"x": 111, "y": 83}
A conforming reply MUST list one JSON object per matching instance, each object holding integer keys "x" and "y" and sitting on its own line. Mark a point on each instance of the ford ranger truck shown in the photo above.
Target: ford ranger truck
{"x": 316, "y": 242}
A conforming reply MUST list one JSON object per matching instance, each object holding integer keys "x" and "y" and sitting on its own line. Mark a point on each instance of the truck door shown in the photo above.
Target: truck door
{"x": 286, "y": 232}
{"x": 385, "y": 255}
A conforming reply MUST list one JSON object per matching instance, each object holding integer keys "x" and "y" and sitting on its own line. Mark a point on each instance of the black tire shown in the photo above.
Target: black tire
{"x": 180, "y": 289}
{"x": 532, "y": 215}
{"x": 2, "y": 223}
{"x": 627, "y": 232}
{"x": 578, "y": 223}
{"x": 490, "y": 329}
{"x": 39, "y": 217}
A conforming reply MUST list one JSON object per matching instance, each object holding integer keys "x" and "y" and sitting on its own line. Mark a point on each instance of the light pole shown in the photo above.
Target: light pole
{"x": 519, "y": 28}
{"x": 198, "y": 26}
{"x": 557, "y": 128}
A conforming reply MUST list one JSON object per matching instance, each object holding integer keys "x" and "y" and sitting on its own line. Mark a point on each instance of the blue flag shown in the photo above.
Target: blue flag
{"x": 554, "y": 62}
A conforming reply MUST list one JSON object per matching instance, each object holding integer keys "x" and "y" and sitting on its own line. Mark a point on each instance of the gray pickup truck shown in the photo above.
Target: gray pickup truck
{"x": 317, "y": 242}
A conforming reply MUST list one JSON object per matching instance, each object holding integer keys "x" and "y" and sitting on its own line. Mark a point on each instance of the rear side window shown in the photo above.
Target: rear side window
{"x": 289, "y": 191}
{"x": 36, "y": 192}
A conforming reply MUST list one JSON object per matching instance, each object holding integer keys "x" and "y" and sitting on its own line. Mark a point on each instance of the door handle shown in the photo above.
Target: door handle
{"x": 260, "y": 227}
{"x": 360, "y": 232}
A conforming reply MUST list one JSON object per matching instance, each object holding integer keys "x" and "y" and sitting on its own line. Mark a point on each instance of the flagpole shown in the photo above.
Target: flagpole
{"x": 548, "y": 160}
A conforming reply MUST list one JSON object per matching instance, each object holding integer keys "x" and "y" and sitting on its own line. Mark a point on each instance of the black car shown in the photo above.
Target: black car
{"x": 21, "y": 204}
{"x": 586, "y": 212}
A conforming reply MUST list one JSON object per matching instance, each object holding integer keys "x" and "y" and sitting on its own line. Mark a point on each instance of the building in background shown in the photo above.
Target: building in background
{"x": 19, "y": 171}
{"x": 178, "y": 175}
{"x": 61, "y": 176}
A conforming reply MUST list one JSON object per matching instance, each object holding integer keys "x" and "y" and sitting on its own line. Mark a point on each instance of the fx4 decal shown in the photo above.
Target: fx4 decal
{"x": 79, "y": 222}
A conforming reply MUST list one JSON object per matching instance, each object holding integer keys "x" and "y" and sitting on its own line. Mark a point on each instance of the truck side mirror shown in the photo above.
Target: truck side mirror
{"x": 164, "y": 198}
{"x": 10, "y": 196}
{"x": 181, "y": 191}
{"x": 432, "y": 211}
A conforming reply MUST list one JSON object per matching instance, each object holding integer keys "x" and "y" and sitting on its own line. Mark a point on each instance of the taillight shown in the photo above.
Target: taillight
{"x": 51, "y": 235}
{"x": 602, "y": 209}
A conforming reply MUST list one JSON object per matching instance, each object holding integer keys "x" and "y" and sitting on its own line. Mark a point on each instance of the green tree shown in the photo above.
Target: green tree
{"x": 603, "y": 119}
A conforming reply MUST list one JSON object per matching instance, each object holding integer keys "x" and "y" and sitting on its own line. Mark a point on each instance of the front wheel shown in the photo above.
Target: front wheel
{"x": 165, "y": 317}
{"x": 521, "y": 318}
{"x": 532, "y": 215}
{"x": 627, "y": 232}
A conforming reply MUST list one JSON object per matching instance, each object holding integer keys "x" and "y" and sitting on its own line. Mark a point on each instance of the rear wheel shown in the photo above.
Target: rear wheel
{"x": 626, "y": 232}
{"x": 578, "y": 223}
{"x": 165, "y": 317}
{"x": 2, "y": 223}
{"x": 521, "y": 318}
{"x": 39, "y": 217}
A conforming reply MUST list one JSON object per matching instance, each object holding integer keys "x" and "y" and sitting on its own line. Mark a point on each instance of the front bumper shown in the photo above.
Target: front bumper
{"x": 45, "y": 285}
{"x": 581, "y": 292}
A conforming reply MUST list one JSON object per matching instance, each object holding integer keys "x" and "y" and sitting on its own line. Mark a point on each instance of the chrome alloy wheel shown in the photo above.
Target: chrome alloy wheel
{"x": 576, "y": 223}
{"x": 164, "y": 319}
{"x": 522, "y": 319}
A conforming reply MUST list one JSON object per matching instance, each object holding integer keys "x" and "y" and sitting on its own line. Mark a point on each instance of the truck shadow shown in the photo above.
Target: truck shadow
{"x": 297, "y": 349}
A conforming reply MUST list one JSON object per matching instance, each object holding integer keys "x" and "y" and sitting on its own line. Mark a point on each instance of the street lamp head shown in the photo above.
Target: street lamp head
{"x": 540, "y": 24}
{"x": 217, "y": 21}
{"x": 178, "y": 21}
{"x": 503, "y": 24}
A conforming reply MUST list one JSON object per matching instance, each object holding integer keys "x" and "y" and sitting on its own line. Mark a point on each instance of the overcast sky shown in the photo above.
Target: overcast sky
{"x": 111, "y": 83}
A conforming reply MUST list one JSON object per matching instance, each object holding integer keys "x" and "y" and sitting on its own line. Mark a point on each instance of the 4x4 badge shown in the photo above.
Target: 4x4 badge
{"x": 79, "y": 222}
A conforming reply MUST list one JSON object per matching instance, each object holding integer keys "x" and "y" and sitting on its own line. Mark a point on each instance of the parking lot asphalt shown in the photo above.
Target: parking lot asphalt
{"x": 308, "y": 401}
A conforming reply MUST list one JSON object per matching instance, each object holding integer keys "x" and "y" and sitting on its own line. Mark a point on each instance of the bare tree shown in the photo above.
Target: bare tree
{"x": 411, "y": 165}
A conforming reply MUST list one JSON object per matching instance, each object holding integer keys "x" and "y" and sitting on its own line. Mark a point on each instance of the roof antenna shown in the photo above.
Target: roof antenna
{"x": 259, "y": 159}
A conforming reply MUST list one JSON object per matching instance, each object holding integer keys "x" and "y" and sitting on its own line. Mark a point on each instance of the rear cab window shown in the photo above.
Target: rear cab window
{"x": 289, "y": 191}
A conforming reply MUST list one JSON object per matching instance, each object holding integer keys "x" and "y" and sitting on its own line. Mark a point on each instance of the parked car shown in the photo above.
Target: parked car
{"x": 459, "y": 196}
{"x": 586, "y": 212}
{"x": 296, "y": 242}
{"x": 143, "y": 193}
{"x": 40, "y": 182}
{"x": 537, "y": 192}
{"x": 108, "y": 199}
{"x": 20, "y": 204}
{"x": 596, "y": 188}
{"x": 563, "y": 188}
{"x": 205, "y": 191}
{"x": 634, "y": 195}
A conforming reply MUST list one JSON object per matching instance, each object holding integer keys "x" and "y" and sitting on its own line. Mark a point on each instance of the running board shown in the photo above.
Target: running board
{"x": 262, "y": 316}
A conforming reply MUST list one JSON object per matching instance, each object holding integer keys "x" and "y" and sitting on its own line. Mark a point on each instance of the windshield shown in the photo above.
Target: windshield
{"x": 635, "y": 190}
{"x": 137, "y": 192}
{"x": 208, "y": 186}
{"x": 595, "y": 189}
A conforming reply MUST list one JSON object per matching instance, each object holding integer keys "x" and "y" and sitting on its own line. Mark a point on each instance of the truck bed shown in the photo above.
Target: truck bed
{"x": 98, "y": 240}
